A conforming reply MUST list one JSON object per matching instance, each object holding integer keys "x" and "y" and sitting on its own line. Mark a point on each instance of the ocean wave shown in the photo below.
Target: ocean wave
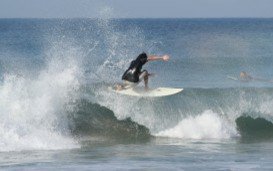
{"x": 196, "y": 113}
{"x": 33, "y": 109}
{"x": 89, "y": 119}
{"x": 54, "y": 110}
{"x": 32, "y": 115}
{"x": 208, "y": 125}
{"x": 254, "y": 128}
{"x": 62, "y": 113}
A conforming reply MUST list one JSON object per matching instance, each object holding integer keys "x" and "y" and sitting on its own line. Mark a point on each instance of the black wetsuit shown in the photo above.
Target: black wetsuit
{"x": 133, "y": 72}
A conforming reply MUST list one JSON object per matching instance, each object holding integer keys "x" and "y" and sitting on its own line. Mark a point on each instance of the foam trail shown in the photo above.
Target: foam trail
{"x": 208, "y": 125}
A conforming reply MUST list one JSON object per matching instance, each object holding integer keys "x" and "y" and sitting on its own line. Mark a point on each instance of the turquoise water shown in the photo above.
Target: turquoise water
{"x": 57, "y": 113}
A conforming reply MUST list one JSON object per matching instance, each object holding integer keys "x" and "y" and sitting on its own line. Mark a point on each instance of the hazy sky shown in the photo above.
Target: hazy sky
{"x": 135, "y": 8}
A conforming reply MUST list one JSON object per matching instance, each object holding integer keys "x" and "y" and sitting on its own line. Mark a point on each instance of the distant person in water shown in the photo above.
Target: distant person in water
{"x": 134, "y": 74}
{"x": 245, "y": 77}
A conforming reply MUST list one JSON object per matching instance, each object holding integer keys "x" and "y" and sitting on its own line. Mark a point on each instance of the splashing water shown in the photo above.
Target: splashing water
{"x": 208, "y": 125}
{"x": 33, "y": 109}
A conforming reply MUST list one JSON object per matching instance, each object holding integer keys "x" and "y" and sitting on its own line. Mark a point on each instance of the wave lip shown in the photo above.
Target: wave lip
{"x": 208, "y": 125}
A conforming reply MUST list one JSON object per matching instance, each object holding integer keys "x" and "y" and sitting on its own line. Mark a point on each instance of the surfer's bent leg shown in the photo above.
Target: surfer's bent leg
{"x": 144, "y": 76}
{"x": 129, "y": 84}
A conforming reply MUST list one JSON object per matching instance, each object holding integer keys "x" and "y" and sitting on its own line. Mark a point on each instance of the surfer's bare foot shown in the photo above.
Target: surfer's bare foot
{"x": 118, "y": 87}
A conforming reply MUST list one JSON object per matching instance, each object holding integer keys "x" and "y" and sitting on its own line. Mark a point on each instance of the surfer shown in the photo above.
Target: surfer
{"x": 245, "y": 77}
{"x": 134, "y": 74}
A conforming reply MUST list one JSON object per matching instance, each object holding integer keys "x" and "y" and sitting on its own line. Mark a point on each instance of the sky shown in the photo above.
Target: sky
{"x": 136, "y": 8}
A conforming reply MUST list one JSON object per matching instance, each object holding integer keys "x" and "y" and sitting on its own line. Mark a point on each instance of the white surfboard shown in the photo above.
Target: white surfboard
{"x": 152, "y": 92}
{"x": 232, "y": 78}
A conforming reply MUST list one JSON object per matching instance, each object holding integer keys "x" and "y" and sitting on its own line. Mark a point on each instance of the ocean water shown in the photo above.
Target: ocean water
{"x": 56, "y": 112}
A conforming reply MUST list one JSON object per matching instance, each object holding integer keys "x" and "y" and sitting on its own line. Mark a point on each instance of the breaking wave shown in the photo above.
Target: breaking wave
{"x": 57, "y": 100}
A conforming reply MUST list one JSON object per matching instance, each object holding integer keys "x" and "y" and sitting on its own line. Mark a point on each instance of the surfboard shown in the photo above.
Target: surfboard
{"x": 232, "y": 78}
{"x": 151, "y": 92}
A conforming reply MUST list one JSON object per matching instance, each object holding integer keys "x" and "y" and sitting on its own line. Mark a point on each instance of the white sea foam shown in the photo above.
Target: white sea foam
{"x": 208, "y": 125}
{"x": 32, "y": 114}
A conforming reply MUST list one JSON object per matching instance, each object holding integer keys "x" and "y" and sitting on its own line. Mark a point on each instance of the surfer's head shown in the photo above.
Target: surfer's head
{"x": 243, "y": 74}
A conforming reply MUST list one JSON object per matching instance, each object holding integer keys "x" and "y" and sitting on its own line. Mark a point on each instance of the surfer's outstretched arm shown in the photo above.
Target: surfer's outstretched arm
{"x": 155, "y": 58}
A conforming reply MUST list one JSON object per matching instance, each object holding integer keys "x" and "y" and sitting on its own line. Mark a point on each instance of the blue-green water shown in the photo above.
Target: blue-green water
{"x": 57, "y": 113}
{"x": 163, "y": 155}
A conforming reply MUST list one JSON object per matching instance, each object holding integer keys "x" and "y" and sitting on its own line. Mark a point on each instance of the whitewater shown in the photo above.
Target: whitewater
{"x": 56, "y": 111}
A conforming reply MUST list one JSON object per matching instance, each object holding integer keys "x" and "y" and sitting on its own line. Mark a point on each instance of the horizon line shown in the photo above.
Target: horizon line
{"x": 96, "y": 18}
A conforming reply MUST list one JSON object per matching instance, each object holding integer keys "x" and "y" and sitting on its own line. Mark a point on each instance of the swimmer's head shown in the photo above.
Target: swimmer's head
{"x": 243, "y": 74}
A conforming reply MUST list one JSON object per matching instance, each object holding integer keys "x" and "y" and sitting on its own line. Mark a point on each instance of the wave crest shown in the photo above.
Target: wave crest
{"x": 208, "y": 125}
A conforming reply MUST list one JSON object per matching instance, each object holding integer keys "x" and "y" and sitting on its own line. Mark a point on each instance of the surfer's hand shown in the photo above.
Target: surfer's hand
{"x": 165, "y": 57}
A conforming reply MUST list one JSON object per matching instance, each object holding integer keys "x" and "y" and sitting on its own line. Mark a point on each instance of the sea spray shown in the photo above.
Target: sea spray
{"x": 208, "y": 125}
{"x": 33, "y": 110}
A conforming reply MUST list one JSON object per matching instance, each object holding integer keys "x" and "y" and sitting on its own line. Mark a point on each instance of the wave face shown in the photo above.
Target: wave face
{"x": 254, "y": 128}
{"x": 54, "y": 80}
{"x": 94, "y": 120}
{"x": 196, "y": 113}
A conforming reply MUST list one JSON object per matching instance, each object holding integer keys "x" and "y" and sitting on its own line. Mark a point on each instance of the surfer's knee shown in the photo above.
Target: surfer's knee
{"x": 144, "y": 75}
